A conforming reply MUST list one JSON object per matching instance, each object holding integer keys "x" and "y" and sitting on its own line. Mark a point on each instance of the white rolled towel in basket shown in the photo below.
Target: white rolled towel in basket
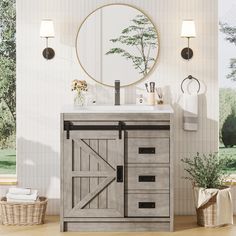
{"x": 21, "y": 191}
{"x": 32, "y": 197}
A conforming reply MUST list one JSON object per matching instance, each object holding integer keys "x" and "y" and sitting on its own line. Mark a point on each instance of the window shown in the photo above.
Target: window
{"x": 7, "y": 87}
{"x": 227, "y": 82}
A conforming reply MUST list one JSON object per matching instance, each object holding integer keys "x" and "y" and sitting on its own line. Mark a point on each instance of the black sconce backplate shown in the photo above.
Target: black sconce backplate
{"x": 187, "y": 53}
{"x": 48, "y": 53}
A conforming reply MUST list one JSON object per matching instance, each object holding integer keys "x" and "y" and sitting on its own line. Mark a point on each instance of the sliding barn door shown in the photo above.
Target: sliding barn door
{"x": 93, "y": 174}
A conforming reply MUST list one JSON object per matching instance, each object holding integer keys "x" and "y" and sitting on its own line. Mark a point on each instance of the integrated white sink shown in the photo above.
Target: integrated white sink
{"x": 119, "y": 109}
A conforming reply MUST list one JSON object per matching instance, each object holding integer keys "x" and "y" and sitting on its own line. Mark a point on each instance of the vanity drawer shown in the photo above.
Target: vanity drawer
{"x": 147, "y": 178}
{"x": 148, "y": 205}
{"x": 148, "y": 150}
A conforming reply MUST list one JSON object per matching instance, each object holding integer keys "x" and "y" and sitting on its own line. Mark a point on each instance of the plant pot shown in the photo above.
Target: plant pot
{"x": 208, "y": 213}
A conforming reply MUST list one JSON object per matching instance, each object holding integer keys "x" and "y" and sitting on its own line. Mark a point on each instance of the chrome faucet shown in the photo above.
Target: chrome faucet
{"x": 117, "y": 92}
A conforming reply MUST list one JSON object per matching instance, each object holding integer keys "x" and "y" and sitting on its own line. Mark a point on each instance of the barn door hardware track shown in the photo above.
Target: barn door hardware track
{"x": 121, "y": 126}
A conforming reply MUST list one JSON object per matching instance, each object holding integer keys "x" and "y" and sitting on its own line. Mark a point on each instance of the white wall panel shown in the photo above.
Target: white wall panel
{"x": 43, "y": 87}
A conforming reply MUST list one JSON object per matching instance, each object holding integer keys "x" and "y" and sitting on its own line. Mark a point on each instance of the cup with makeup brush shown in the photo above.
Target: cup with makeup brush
{"x": 151, "y": 93}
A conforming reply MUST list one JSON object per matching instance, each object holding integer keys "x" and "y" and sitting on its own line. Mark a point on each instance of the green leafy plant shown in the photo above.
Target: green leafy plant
{"x": 7, "y": 73}
{"x": 230, "y": 33}
{"x": 227, "y": 106}
{"x": 207, "y": 171}
{"x": 229, "y": 131}
{"x": 141, "y": 35}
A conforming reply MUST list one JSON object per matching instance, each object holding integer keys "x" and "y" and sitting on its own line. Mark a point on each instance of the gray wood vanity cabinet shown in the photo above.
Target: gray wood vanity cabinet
{"x": 116, "y": 170}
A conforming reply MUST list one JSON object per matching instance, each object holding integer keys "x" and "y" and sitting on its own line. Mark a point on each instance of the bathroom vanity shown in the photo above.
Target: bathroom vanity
{"x": 117, "y": 168}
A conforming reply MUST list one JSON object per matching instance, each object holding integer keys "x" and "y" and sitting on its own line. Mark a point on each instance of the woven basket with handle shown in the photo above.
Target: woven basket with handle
{"x": 23, "y": 213}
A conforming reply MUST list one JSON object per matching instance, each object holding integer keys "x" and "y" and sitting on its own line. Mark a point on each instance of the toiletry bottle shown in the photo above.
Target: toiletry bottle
{"x": 140, "y": 100}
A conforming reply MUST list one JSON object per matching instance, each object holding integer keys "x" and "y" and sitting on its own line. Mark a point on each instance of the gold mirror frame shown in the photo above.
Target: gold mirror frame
{"x": 126, "y": 85}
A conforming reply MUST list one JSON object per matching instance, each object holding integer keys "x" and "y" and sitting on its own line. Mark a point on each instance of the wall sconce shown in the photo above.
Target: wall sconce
{"x": 188, "y": 31}
{"x": 47, "y": 31}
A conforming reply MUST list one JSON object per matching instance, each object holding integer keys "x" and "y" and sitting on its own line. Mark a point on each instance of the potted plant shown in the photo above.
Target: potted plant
{"x": 212, "y": 198}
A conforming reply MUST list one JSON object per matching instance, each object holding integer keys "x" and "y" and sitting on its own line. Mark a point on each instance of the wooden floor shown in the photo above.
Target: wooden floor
{"x": 184, "y": 226}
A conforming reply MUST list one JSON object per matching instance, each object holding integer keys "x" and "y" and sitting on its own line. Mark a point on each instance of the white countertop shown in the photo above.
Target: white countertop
{"x": 118, "y": 109}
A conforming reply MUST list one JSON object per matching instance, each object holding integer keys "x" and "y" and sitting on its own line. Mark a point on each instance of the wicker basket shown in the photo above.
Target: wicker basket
{"x": 23, "y": 213}
{"x": 206, "y": 214}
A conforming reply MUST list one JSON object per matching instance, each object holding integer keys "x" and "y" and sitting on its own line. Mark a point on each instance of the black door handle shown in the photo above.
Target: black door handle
{"x": 119, "y": 174}
{"x": 147, "y": 178}
{"x": 147, "y": 150}
{"x": 146, "y": 205}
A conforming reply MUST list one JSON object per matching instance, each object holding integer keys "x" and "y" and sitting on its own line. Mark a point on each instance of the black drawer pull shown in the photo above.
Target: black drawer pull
{"x": 146, "y": 205}
{"x": 147, "y": 150}
{"x": 147, "y": 178}
{"x": 119, "y": 174}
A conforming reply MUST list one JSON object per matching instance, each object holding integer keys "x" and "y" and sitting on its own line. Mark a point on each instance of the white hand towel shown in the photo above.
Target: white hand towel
{"x": 33, "y": 196}
{"x": 21, "y": 191}
{"x": 224, "y": 207}
{"x": 20, "y": 201}
{"x": 190, "y": 108}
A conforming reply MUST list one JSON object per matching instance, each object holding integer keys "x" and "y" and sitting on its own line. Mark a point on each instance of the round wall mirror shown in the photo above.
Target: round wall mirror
{"x": 117, "y": 42}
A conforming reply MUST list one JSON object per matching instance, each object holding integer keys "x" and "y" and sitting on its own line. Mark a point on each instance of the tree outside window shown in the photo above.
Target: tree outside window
{"x": 227, "y": 123}
{"x": 7, "y": 86}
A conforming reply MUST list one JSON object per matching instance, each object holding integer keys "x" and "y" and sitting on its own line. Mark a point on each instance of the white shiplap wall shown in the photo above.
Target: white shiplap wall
{"x": 44, "y": 86}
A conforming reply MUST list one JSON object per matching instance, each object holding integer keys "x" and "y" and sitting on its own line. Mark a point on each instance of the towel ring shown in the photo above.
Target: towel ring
{"x": 190, "y": 77}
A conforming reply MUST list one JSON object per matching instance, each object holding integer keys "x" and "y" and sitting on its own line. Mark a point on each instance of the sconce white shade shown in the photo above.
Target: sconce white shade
{"x": 188, "y": 29}
{"x": 47, "y": 29}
